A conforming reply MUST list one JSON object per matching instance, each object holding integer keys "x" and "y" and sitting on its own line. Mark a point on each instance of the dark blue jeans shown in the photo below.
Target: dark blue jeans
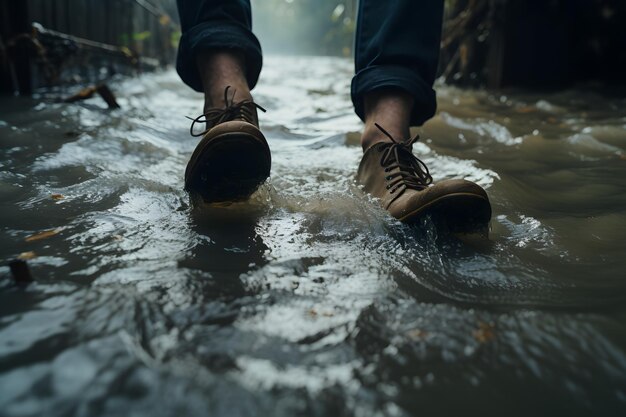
{"x": 397, "y": 46}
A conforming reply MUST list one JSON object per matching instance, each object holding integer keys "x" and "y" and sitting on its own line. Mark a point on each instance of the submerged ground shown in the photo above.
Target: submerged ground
{"x": 310, "y": 300}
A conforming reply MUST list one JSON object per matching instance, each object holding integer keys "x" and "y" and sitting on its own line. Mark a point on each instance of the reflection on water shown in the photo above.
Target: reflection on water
{"x": 310, "y": 300}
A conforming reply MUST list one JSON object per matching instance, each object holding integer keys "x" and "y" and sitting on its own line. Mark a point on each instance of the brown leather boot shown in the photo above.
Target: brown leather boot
{"x": 402, "y": 182}
{"x": 233, "y": 157}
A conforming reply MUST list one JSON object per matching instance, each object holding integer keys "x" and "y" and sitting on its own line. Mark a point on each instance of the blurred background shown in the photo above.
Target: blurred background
{"x": 485, "y": 42}
{"x": 306, "y": 26}
{"x": 493, "y": 43}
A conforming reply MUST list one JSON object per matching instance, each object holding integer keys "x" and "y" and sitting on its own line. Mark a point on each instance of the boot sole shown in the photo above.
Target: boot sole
{"x": 461, "y": 212}
{"x": 229, "y": 168}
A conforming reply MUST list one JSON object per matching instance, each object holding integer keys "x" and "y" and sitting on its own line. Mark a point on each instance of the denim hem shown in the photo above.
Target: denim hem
{"x": 217, "y": 35}
{"x": 386, "y": 76}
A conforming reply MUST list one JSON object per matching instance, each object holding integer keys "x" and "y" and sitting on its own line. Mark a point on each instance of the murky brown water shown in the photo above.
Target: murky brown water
{"x": 310, "y": 300}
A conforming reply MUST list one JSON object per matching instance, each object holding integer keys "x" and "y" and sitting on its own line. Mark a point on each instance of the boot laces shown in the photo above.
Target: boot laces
{"x": 413, "y": 172}
{"x": 243, "y": 110}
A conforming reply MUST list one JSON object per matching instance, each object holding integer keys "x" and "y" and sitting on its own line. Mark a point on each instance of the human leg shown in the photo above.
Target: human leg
{"x": 218, "y": 48}
{"x": 396, "y": 56}
{"x": 220, "y": 56}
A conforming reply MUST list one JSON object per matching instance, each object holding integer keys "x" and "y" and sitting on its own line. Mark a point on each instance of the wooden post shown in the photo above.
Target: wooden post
{"x": 21, "y": 272}
{"x": 15, "y": 71}
{"x": 497, "y": 45}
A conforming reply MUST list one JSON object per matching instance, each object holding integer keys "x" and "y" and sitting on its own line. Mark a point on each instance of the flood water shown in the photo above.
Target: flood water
{"x": 310, "y": 300}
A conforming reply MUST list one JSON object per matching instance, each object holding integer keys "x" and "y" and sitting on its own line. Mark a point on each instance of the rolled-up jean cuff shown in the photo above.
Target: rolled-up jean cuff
{"x": 211, "y": 35}
{"x": 391, "y": 76}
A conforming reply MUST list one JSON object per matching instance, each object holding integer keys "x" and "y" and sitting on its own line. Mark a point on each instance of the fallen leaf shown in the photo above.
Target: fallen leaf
{"x": 417, "y": 334}
{"x": 526, "y": 109}
{"x": 25, "y": 256}
{"x": 42, "y": 235}
{"x": 485, "y": 332}
{"x": 117, "y": 238}
{"x": 57, "y": 197}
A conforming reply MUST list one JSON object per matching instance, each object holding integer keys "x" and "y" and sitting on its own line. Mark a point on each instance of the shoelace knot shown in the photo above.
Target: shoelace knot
{"x": 243, "y": 110}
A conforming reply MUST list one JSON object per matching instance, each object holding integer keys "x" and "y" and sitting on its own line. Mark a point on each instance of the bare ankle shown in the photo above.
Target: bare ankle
{"x": 220, "y": 69}
{"x": 390, "y": 108}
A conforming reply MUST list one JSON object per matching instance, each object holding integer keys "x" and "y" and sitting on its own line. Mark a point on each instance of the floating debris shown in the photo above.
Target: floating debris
{"x": 526, "y": 109}
{"x": 485, "y": 332}
{"x": 102, "y": 89}
{"x": 108, "y": 96}
{"x": 417, "y": 334}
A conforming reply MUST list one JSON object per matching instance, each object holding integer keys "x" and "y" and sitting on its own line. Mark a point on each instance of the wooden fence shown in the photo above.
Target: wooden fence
{"x": 46, "y": 43}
